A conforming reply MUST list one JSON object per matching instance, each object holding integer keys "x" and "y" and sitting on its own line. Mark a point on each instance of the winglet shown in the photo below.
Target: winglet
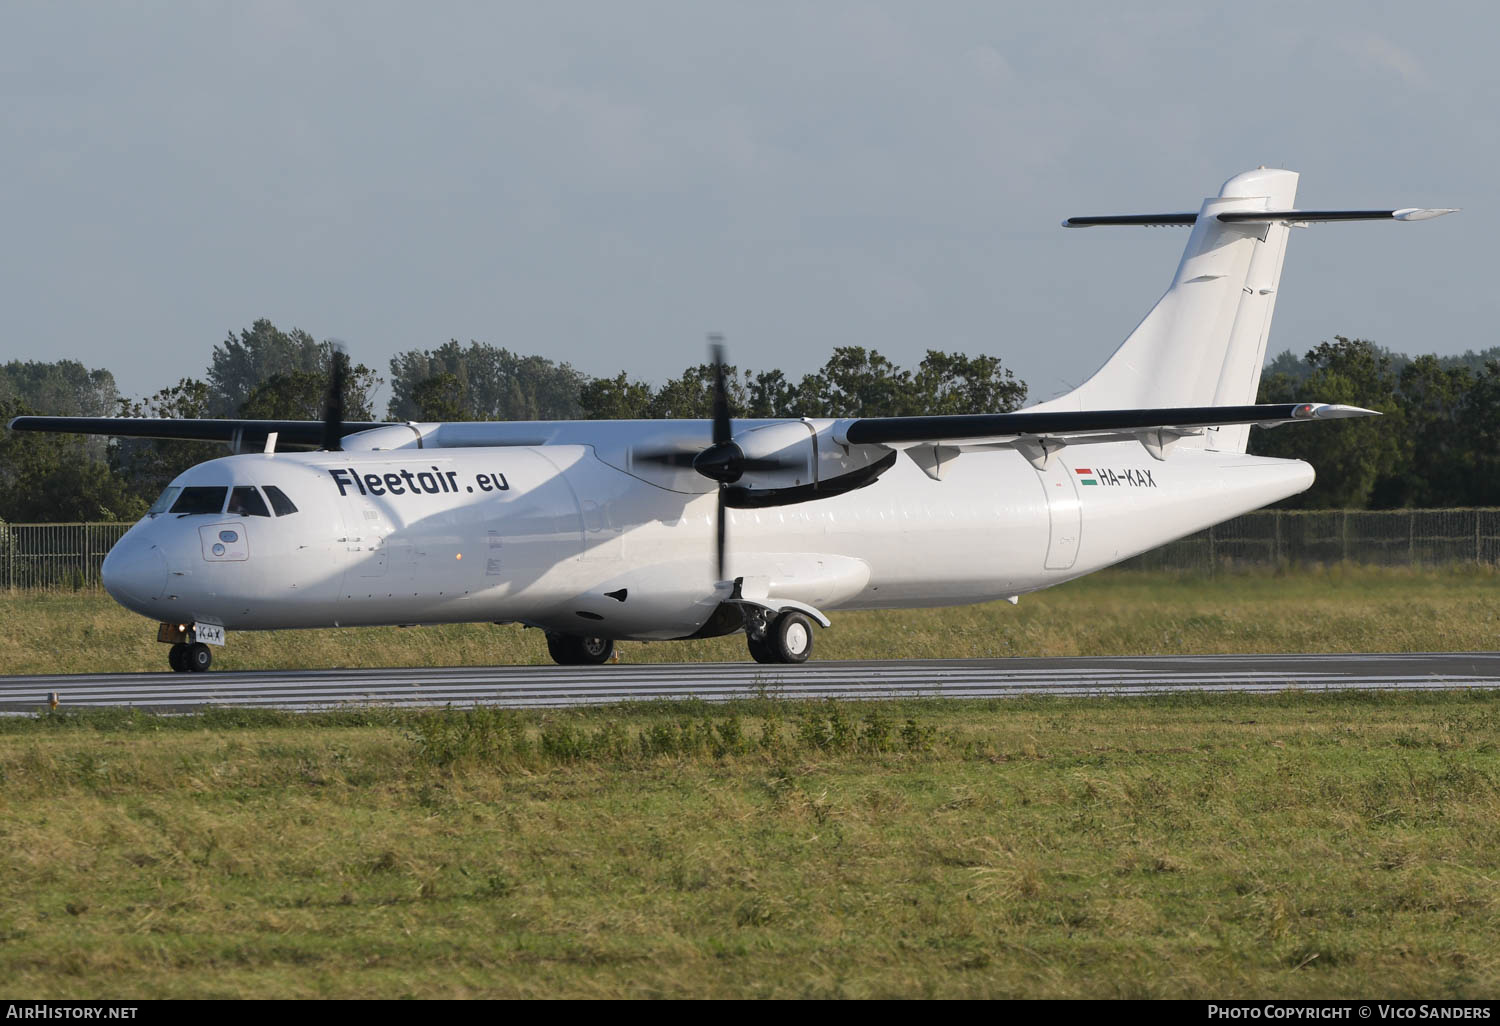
{"x": 1330, "y": 411}
{"x": 1422, "y": 213}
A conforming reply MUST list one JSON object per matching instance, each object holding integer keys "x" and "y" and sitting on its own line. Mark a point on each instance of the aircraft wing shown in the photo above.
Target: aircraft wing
{"x": 242, "y": 435}
{"x": 1086, "y": 423}
{"x": 1038, "y": 435}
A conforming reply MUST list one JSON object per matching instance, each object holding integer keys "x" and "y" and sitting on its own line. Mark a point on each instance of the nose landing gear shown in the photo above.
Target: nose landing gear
{"x": 188, "y": 654}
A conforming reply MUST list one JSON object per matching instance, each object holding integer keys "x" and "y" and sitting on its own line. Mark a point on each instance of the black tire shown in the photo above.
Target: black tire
{"x": 198, "y": 658}
{"x": 758, "y": 650}
{"x": 790, "y": 638}
{"x": 177, "y": 658}
{"x": 574, "y": 650}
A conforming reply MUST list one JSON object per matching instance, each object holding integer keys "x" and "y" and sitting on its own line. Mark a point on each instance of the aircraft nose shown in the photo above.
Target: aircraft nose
{"x": 134, "y": 573}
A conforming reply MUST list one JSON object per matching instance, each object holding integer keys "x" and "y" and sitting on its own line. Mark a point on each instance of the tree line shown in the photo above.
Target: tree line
{"x": 265, "y": 373}
{"x": 1435, "y": 445}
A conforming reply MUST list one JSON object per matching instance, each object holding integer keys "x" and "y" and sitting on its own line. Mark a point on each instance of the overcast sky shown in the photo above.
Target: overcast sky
{"x": 604, "y": 183}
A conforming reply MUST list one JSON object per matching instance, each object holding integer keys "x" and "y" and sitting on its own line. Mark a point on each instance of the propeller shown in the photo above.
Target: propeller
{"x": 333, "y": 401}
{"x": 723, "y": 461}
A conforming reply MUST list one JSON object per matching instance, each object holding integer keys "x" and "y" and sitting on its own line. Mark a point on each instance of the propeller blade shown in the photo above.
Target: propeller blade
{"x": 723, "y": 430}
{"x": 721, "y": 528}
{"x": 721, "y": 460}
{"x": 665, "y": 457}
{"x": 333, "y": 402}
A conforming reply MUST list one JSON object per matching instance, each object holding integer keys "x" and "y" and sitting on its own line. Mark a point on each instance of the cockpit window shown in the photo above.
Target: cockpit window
{"x": 246, "y": 501}
{"x": 279, "y": 502}
{"x": 200, "y": 500}
{"x": 164, "y": 503}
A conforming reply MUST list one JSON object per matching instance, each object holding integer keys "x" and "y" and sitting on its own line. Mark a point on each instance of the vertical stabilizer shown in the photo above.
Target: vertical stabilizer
{"x": 1245, "y": 356}
{"x": 1204, "y": 341}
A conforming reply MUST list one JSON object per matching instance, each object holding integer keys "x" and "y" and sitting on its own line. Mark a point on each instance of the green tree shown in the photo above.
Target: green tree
{"x": 299, "y": 395}
{"x": 952, "y": 383}
{"x": 492, "y": 383}
{"x": 260, "y": 352}
{"x": 691, "y": 396}
{"x": 856, "y": 382}
{"x": 769, "y": 394}
{"x": 1431, "y": 469}
{"x": 616, "y": 398}
{"x": 243, "y": 365}
{"x": 440, "y": 398}
{"x": 63, "y": 389}
{"x": 1477, "y": 425}
{"x": 54, "y": 478}
{"x": 1350, "y": 456}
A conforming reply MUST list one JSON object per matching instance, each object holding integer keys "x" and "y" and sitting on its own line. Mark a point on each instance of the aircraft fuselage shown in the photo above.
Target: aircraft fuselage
{"x": 553, "y": 536}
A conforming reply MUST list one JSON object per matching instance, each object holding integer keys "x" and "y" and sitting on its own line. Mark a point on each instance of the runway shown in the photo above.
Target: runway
{"x": 560, "y": 687}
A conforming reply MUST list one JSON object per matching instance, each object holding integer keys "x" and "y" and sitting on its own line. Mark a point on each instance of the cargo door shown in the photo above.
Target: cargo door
{"x": 1064, "y": 514}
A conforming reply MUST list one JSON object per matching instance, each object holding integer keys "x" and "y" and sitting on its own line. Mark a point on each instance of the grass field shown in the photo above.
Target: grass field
{"x": 1296, "y": 845}
{"x": 1337, "y": 610}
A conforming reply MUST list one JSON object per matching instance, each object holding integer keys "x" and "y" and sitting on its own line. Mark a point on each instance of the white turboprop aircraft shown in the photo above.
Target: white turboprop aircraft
{"x": 602, "y": 531}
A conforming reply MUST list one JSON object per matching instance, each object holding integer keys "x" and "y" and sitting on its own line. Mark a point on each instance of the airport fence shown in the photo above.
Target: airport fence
{"x": 1274, "y": 538}
{"x": 66, "y": 557}
{"x": 55, "y": 557}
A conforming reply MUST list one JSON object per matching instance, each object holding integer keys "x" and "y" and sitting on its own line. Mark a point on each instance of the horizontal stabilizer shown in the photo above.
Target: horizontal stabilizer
{"x": 1309, "y": 216}
{"x": 1259, "y": 217}
{"x": 1147, "y": 220}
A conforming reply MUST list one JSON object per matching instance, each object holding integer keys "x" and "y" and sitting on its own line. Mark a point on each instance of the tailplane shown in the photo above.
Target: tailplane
{"x": 1204, "y": 342}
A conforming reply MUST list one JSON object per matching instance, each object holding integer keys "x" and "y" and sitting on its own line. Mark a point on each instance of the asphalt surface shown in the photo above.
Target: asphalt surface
{"x": 559, "y": 686}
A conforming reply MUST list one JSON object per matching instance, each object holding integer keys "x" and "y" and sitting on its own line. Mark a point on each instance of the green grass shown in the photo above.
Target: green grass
{"x": 1299, "y": 845}
{"x": 1114, "y": 613}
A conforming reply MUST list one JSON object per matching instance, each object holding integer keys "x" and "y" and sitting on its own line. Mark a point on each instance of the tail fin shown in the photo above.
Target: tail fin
{"x": 1204, "y": 342}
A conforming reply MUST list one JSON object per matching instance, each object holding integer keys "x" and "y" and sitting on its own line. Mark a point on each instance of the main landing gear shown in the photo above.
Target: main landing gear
{"x": 786, "y": 639}
{"x": 572, "y": 650}
{"x": 194, "y": 658}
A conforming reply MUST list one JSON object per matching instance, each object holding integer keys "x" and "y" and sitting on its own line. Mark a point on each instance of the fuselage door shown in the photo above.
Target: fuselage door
{"x": 1064, "y": 513}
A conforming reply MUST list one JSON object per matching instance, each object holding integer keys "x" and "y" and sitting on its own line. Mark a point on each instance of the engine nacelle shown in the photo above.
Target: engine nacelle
{"x": 813, "y": 465}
